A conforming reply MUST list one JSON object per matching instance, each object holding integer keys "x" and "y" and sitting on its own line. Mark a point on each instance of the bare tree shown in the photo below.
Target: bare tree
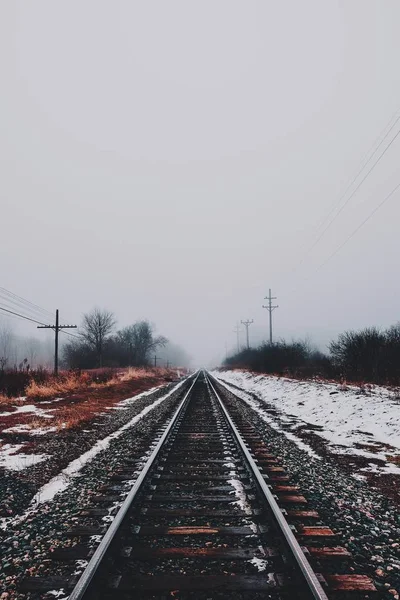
{"x": 137, "y": 341}
{"x": 360, "y": 355}
{"x": 96, "y": 327}
{"x": 32, "y": 349}
{"x": 6, "y": 343}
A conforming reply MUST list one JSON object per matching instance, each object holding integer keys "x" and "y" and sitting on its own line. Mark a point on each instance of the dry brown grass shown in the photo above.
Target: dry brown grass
{"x": 64, "y": 416}
{"x": 7, "y": 403}
{"x": 393, "y": 459}
{"x": 72, "y": 415}
{"x": 81, "y": 397}
{"x": 72, "y": 383}
{"x": 55, "y": 387}
{"x": 140, "y": 373}
{"x": 79, "y": 413}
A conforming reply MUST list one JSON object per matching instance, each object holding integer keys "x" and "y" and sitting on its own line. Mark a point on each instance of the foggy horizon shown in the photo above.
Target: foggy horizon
{"x": 173, "y": 161}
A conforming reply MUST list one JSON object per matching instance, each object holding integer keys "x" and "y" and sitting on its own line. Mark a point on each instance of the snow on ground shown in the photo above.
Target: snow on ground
{"x": 62, "y": 481}
{"x": 16, "y": 462}
{"x": 30, "y": 430}
{"x": 124, "y": 404}
{"x": 11, "y": 456}
{"x": 352, "y": 422}
{"x": 29, "y": 408}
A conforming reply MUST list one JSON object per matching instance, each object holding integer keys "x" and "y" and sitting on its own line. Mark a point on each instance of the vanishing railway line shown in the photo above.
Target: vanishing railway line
{"x": 210, "y": 514}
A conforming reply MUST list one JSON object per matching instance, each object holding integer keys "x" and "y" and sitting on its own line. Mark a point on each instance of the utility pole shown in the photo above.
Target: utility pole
{"x": 237, "y": 330}
{"x": 247, "y": 325}
{"x": 270, "y": 309}
{"x": 56, "y": 328}
{"x": 156, "y": 358}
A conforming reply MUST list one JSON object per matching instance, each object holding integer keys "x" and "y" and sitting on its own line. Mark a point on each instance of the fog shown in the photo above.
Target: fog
{"x": 172, "y": 161}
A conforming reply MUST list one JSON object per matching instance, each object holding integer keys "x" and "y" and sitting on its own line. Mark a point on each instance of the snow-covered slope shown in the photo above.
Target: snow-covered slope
{"x": 346, "y": 418}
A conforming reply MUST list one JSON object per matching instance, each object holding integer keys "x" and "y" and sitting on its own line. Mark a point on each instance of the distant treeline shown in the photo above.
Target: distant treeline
{"x": 369, "y": 355}
{"x": 99, "y": 345}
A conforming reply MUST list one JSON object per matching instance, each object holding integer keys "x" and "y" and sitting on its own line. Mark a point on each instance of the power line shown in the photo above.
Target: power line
{"x": 353, "y": 233}
{"x": 71, "y": 334}
{"x": 363, "y": 164}
{"x": 11, "y": 317}
{"x": 14, "y": 299}
{"x": 19, "y": 303}
{"x": 21, "y": 316}
{"x": 20, "y": 299}
{"x": 24, "y": 301}
{"x": 19, "y": 307}
{"x": 357, "y": 229}
{"x": 348, "y": 199}
{"x": 9, "y": 306}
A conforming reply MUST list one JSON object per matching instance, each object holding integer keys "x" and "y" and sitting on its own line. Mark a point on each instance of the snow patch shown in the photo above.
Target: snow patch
{"x": 17, "y": 462}
{"x": 260, "y": 563}
{"x": 30, "y": 430}
{"x": 346, "y": 417}
{"x": 241, "y": 496}
{"x": 28, "y": 408}
{"x": 274, "y": 423}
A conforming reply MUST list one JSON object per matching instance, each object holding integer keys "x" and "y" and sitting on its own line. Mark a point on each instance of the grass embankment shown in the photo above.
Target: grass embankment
{"x": 71, "y": 400}
{"x": 72, "y": 383}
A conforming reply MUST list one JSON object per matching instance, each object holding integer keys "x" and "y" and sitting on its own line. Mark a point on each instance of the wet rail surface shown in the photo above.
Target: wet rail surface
{"x": 198, "y": 524}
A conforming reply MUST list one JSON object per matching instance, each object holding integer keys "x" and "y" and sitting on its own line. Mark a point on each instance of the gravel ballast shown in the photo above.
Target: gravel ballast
{"x": 28, "y": 540}
{"x": 367, "y": 522}
{"x": 17, "y": 488}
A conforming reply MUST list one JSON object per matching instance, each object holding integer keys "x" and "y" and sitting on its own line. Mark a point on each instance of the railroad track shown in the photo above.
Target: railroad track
{"x": 211, "y": 514}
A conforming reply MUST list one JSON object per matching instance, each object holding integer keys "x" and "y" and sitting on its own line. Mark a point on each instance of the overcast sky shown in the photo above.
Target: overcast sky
{"x": 172, "y": 160}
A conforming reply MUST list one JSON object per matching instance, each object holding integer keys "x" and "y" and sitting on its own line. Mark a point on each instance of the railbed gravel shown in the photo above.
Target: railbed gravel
{"x": 18, "y": 488}
{"x": 26, "y": 547}
{"x": 368, "y": 523}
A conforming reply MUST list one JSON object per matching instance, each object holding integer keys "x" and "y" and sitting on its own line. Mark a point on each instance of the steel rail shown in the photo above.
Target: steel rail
{"x": 91, "y": 568}
{"x": 310, "y": 576}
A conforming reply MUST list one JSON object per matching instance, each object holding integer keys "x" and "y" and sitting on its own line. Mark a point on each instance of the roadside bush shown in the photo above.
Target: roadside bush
{"x": 358, "y": 354}
{"x": 4, "y": 400}
{"x": 69, "y": 383}
{"x": 367, "y": 356}
{"x": 14, "y": 383}
{"x": 103, "y": 375}
{"x": 294, "y": 359}
{"x": 73, "y": 382}
{"x": 60, "y": 386}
